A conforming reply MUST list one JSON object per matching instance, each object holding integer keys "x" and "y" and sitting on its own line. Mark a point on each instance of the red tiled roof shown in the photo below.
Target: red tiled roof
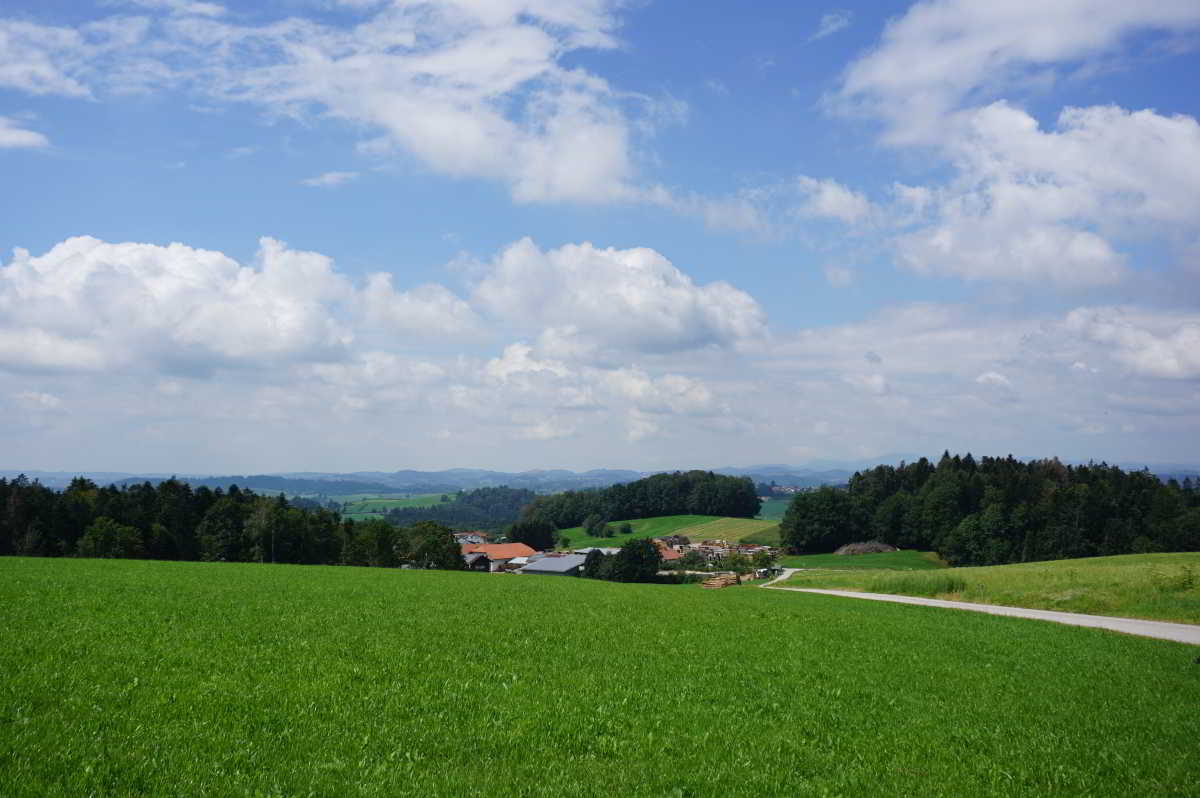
{"x": 499, "y": 551}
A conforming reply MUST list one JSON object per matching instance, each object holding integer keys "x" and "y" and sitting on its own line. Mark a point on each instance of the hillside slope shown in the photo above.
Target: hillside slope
{"x": 1159, "y": 587}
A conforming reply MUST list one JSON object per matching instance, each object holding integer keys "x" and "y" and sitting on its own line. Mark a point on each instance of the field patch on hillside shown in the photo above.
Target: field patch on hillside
{"x": 731, "y": 529}
{"x": 773, "y": 509}
{"x": 694, "y": 527}
{"x": 1163, "y": 587}
{"x": 904, "y": 560}
{"x": 152, "y": 678}
{"x": 360, "y": 506}
{"x": 642, "y": 528}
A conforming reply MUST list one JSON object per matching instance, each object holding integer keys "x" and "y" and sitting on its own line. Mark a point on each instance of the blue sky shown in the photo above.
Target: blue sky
{"x": 375, "y": 234}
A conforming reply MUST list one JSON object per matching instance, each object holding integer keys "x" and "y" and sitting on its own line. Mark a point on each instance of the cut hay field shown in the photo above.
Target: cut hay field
{"x": 1161, "y": 587}
{"x": 731, "y": 529}
{"x": 904, "y": 560}
{"x": 189, "y": 679}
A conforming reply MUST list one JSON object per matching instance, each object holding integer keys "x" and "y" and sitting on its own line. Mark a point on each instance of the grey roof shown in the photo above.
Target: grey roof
{"x": 600, "y": 549}
{"x": 555, "y": 565}
{"x": 474, "y": 557}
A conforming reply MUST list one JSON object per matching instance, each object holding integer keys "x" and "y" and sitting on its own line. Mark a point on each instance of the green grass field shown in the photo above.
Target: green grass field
{"x": 642, "y": 528}
{"x": 731, "y": 529}
{"x": 773, "y": 509}
{"x": 1163, "y": 587}
{"x": 906, "y": 560}
{"x": 695, "y": 527}
{"x": 127, "y": 678}
{"x": 361, "y": 506}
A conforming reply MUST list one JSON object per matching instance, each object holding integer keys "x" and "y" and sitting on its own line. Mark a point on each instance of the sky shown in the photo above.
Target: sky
{"x": 341, "y": 235}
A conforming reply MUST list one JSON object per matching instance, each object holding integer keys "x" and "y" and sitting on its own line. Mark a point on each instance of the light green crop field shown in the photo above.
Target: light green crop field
{"x": 767, "y": 537}
{"x": 642, "y": 528}
{"x": 360, "y": 506}
{"x": 904, "y": 560}
{"x": 773, "y": 509}
{"x": 1164, "y": 587}
{"x": 731, "y": 529}
{"x": 125, "y": 678}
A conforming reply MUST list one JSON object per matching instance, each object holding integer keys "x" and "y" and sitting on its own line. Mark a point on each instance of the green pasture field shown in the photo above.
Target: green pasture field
{"x": 731, "y": 529}
{"x": 360, "y": 506}
{"x": 642, "y": 528}
{"x": 145, "y": 678}
{"x": 904, "y": 560}
{"x": 1164, "y": 587}
{"x": 773, "y": 509}
{"x": 767, "y": 537}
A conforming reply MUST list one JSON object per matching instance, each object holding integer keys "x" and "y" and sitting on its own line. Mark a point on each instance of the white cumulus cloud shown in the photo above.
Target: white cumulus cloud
{"x": 330, "y": 179}
{"x": 943, "y": 53}
{"x": 582, "y": 299}
{"x": 13, "y": 136}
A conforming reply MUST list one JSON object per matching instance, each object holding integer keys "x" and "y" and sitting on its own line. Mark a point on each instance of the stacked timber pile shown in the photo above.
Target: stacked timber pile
{"x": 717, "y": 582}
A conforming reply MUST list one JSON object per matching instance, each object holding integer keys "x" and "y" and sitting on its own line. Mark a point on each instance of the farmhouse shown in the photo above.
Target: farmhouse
{"x": 471, "y": 536}
{"x": 565, "y": 564}
{"x": 497, "y": 553}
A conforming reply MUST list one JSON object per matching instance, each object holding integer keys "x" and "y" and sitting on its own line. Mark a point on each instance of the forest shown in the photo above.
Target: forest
{"x": 483, "y": 508}
{"x": 173, "y": 521}
{"x": 999, "y": 510}
{"x": 679, "y": 493}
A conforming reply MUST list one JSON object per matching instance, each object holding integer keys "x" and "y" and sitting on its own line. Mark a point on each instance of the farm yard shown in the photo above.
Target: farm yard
{"x": 155, "y": 678}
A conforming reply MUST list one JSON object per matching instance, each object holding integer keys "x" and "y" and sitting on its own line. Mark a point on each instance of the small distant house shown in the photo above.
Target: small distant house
{"x": 498, "y": 554}
{"x": 566, "y": 565}
{"x": 472, "y": 537}
{"x": 601, "y": 549}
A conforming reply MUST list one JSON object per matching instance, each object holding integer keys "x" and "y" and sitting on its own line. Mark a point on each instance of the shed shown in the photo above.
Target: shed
{"x": 567, "y": 565}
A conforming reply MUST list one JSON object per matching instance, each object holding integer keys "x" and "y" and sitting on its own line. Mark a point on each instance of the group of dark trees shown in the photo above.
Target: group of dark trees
{"x": 999, "y": 510}
{"x": 680, "y": 493}
{"x": 482, "y": 508}
{"x": 638, "y": 560}
{"x": 173, "y": 521}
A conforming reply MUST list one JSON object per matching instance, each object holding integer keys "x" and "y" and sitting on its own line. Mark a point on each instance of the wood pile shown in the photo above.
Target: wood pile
{"x": 717, "y": 582}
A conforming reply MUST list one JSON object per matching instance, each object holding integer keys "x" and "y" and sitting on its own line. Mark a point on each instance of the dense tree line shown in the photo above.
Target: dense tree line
{"x": 173, "y": 521}
{"x": 482, "y": 508}
{"x": 999, "y": 510}
{"x": 638, "y": 560}
{"x": 680, "y": 493}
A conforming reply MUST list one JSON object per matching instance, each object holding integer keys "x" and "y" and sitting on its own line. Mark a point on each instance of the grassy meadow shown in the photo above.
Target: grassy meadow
{"x": 695, "y": 527}
{"x": 731, "y": 529}
{"x": 642, "y": 528}
{"x": 361, "y": 506}
{"x": 904, "y": 560}
{"x": 773, "y": 509}
{"x": 159, "y": 679}
{"x": 1163, "y": 587}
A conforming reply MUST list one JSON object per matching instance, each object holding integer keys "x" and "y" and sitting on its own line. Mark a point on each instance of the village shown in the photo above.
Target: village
{"x": 678, "y": 554}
